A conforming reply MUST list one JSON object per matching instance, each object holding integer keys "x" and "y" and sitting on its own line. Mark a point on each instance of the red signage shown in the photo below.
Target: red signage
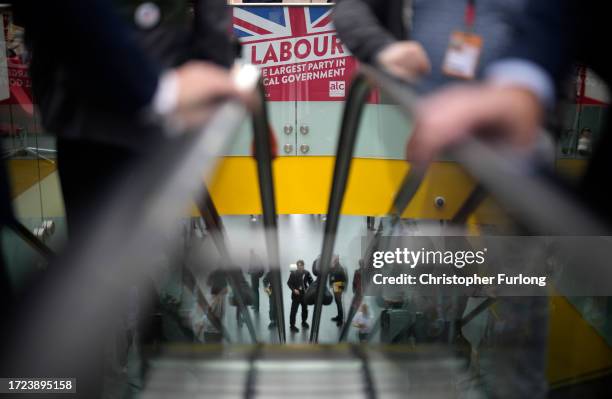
{"x": 298, "y": 51}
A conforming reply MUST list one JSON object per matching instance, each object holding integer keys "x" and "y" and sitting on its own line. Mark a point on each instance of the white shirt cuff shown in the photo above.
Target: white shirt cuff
{"x": 165, "y": 100}
{"x": 525, "y": 74}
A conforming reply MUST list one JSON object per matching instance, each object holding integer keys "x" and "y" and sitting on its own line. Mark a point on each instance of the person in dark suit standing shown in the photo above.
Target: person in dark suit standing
{"x": 299, "y": 281}
{"x": 256, "y": 271}
{"x": 338, "y": 280}
{"x": 267, "y": 284}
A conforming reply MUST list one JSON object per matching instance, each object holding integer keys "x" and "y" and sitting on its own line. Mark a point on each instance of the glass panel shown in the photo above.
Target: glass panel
{"x": 19, "y": 144}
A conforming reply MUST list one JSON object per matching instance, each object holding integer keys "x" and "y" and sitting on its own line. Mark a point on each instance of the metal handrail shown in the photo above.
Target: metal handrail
{"x": 132, "y": 221}
{"x": 358, "y": 93}
{"x": 263, "y": 156}
{"x": 472, "y": 202}
{"x": 26, "y": 235}
{"x": 538, "y": 214}
{"x": 537, "y": 205}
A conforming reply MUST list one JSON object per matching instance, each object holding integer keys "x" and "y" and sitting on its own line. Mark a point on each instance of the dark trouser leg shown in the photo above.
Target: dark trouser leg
{"x": 295, "y": 304}
{"x": 304, "y": 310}
{"x": 272, "y": 312}
{"x": 338, "y": 300}
{"x": 255, "y": 287}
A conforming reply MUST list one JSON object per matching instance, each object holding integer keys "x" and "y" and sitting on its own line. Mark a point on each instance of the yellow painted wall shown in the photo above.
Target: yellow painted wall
{"x": 303, "y": 185}
{"x": 575, "y": 350}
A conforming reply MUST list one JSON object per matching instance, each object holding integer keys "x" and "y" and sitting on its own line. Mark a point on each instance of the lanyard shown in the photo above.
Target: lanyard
{"x": 470, "y": 14}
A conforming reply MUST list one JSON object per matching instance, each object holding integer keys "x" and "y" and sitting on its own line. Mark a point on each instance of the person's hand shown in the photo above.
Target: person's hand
{"x": 200, "y": 88}
{"x": 453, "y": 114}
{"x": 296, "y": 292}
{"x": 405, "y": 59}
{"x": 201, "y": 84}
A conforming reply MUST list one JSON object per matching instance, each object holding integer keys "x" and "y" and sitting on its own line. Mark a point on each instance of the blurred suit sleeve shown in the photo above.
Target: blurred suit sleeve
{"x": 213, "y": 38}
{"x": 546, "y": 35}
{"x": 106, "y": 68}
{"x": 368, "y": 26}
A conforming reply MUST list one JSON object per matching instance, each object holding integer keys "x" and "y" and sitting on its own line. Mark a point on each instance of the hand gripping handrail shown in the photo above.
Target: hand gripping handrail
{"x": 134, "y": 220}
{"x": 532, "y": 200}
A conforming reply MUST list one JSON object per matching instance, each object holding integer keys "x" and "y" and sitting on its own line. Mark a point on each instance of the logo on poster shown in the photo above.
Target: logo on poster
{"x": 337, "y": 88}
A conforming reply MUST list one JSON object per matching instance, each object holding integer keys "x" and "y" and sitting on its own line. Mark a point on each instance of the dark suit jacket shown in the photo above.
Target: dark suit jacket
{"x": 299, "y": 281}
{"x": 96, "y": 89}
{"x": 106, "y": 68}
{"x": 367, "y": 26}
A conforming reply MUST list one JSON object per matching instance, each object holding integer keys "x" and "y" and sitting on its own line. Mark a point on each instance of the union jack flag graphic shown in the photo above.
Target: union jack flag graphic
{"x": 297, "y": 50}
{"x": 271, "y": 23}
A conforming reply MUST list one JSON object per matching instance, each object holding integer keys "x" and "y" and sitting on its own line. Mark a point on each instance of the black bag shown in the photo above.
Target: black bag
{"x": 315, "y": 266}
{"x": 311, "y": 294}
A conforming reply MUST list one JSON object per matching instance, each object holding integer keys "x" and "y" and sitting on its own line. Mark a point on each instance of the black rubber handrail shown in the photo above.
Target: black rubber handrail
{"x": 135, "y": 219}
{"x": 531, "y": 198}
{"x": 263, "y": 156}
{"x": 472, "y": 202}
{"x": 471, "y": 155}
{"x": 26, "y": 235}
{"x": 351, "y": 118}
{"x": 358, "y": 93}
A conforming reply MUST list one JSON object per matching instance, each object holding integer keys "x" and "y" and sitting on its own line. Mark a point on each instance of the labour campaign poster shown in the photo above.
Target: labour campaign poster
{"x": 297, "y": 49}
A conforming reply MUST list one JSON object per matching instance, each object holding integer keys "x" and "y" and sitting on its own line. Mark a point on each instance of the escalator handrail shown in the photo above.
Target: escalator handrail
{"x": 532, "y": 199}
{"x": 28, "y": 237}
{"x": 263, "y": 156}
{"x": 471, "y": 155}
{"x": 149, "y": 199}
{"x": 351, "y": 117}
